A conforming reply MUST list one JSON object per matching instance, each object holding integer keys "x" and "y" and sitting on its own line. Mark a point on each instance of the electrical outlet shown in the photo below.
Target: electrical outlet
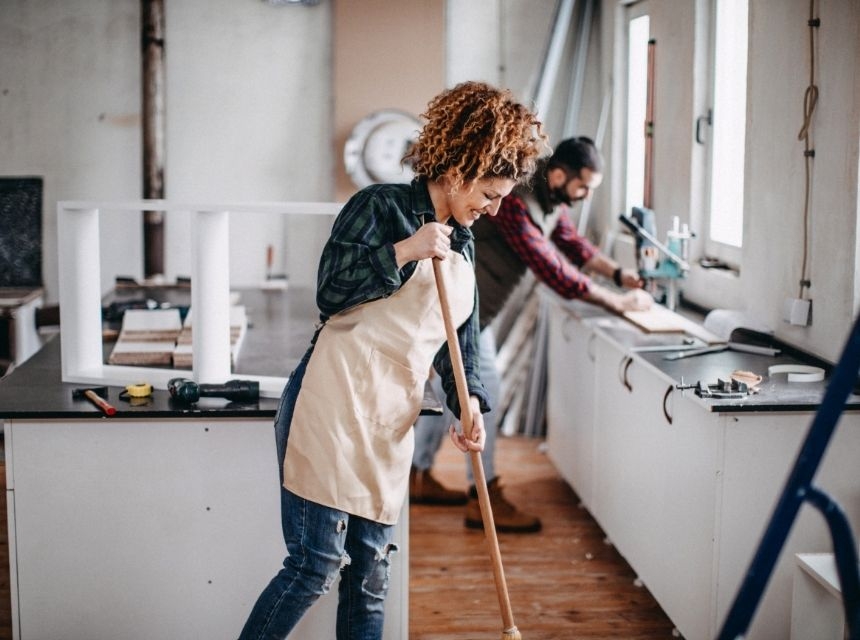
{"x": 797, "y": 311}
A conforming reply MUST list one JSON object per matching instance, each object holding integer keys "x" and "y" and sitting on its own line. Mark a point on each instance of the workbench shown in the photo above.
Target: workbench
{"x": 683, "y": 486}
{"x": 162, "y": 521}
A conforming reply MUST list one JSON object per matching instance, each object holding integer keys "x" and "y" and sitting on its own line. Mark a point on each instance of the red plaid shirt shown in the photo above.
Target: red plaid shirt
{"x": 541, "y": 254}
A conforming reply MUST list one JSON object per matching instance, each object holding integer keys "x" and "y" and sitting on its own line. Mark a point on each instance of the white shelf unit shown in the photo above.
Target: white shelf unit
{"x": 80, "y": 294}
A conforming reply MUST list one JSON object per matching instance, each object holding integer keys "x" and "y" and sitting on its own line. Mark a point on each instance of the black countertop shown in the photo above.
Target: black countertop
{"x": 280, "y": 326}
{"x": 775, "y": 393}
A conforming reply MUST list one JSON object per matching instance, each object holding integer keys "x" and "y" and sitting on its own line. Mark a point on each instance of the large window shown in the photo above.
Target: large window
{"x": 728, "y": 133}
{"x": 637, "y": 98}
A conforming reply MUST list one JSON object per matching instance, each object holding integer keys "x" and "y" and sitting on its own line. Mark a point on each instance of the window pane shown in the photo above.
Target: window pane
{"x": 729, "y": 134}
{"x": 637, "y": 88}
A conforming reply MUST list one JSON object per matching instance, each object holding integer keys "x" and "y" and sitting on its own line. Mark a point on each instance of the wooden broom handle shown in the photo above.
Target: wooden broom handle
{"x": 477, "y": 464}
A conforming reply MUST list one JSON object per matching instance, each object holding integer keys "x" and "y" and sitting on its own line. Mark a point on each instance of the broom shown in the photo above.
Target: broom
{"x": 510, "y": 631}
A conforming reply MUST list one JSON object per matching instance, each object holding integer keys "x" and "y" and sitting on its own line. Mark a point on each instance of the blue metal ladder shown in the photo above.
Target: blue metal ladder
{"x": 799, "y": 488}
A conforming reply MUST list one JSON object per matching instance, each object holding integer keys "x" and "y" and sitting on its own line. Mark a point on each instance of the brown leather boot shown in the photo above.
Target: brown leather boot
{"x": 507, "y": 517}
{"x": 425, "y": 489}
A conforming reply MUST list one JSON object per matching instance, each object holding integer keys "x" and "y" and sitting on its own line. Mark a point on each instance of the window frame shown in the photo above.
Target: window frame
{"x": 728, "y": 254}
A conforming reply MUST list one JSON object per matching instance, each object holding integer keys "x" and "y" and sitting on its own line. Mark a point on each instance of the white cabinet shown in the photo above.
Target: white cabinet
{"x": 18, "y": 309}
{"x": 759, "y": 452}
{"x": 683, "y": 493}
{"x": 656, "y": 483}
{"x": 149, "y": 529}
{"x": 570, "y": 401}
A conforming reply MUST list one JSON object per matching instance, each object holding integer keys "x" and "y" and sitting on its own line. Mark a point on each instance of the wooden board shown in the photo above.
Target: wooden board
{"x": 659, "y": 319}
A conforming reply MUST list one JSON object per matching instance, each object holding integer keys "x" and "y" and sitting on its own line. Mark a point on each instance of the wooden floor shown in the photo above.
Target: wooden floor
{"x": 564, "y": 582}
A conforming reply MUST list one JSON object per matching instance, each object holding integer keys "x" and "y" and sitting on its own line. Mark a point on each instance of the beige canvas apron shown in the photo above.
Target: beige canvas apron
{"x": 350, "y": 443}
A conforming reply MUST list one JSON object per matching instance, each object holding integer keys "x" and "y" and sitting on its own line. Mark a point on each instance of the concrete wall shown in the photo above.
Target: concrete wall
{"x": 247, "y": 85}
{"x": 249, "y": 113}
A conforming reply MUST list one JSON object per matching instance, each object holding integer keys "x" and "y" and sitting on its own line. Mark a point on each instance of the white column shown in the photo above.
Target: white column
{"x": 79, "y": 284}
{"x": 210, "y": 296}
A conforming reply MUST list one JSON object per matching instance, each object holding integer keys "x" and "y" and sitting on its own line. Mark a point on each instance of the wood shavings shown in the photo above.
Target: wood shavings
{"x": 752, "y": 380}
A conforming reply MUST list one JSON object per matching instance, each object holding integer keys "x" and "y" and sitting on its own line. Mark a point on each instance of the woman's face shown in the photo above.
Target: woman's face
{"x": 477, "y": 198}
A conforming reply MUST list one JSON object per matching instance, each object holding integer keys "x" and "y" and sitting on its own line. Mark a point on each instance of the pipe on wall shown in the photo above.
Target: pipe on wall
{"x": 152, "y": 50}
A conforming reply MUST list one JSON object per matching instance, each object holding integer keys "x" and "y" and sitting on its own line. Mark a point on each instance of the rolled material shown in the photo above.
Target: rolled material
{"x": 798, "y": 372}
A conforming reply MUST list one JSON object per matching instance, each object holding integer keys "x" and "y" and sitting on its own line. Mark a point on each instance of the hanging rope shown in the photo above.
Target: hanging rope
{"x": 810, "y": 99}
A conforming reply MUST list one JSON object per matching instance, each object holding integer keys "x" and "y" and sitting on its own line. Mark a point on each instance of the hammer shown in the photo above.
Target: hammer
{"x": 95, "y": 395}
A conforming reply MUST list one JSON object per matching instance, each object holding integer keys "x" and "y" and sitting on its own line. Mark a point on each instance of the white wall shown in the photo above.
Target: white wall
{"x": 247, "y": 118}
{"x": 778, "y": 75}
{"x": 249, "y": 112}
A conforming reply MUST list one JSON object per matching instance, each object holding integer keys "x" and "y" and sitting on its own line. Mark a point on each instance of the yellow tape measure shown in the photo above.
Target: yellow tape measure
{"x": 140, "y": 390}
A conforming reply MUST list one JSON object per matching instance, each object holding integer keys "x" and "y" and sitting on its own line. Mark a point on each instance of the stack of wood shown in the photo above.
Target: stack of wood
{"x": 147, "y": 337}
{"x": 160, "y": 338}
{"x": 182, "y": 354}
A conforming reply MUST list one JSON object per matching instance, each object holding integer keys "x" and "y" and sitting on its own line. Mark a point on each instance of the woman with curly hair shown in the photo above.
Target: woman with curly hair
{"x": 344, "y": 425}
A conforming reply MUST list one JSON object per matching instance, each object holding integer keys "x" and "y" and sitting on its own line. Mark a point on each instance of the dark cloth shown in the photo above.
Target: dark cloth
{"x": 358, "y": 265}
{"x": 514, "y": 240}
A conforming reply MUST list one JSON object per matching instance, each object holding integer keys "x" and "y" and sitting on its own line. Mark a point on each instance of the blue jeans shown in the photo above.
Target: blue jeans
{"x": 430, "y": 431}
{"x": 322, "y": 542}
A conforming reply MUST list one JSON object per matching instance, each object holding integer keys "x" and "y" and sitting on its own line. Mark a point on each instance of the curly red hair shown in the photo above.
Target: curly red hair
{"x": 476, "y": 131}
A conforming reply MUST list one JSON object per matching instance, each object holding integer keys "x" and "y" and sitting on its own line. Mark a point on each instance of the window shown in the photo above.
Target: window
{"x": 637, "y": 98}
{"x": 728, "y": 132}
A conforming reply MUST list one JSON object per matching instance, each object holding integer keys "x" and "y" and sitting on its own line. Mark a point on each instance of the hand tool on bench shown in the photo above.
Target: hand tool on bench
{"x": 729, "y": 346}
{"x": 188, "y": 391}
{"x": 510, "y": 631}
{"x": 96, "y": 395}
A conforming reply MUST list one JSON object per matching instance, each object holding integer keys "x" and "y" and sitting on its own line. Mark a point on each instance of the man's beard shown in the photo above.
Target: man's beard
{"x": 559, "y": 196}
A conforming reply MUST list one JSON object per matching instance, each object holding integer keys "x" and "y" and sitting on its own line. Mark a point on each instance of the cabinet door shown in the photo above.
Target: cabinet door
{"x": 681, "y": 574}
{"x": 570, "y": 401}
{"x": 760, "y": 451}
{"x": 153, "y": 529}
{"x": 656, "y": 474}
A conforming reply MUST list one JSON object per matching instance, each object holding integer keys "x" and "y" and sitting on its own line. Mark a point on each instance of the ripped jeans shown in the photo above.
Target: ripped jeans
{"x": 322, "y": 542}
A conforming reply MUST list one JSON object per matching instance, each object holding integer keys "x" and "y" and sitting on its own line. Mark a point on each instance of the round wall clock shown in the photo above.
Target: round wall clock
{"x": 377, "y": 144}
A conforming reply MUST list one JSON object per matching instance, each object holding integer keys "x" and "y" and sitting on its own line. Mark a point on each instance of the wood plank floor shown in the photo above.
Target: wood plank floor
{"x": 564, "y": 582}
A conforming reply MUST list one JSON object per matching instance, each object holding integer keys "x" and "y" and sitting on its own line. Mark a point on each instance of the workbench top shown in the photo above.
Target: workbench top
{"x": 281, "y": 324}
{"x": 775, "y": 392}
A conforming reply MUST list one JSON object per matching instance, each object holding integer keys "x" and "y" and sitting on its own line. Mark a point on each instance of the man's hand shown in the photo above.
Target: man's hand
{"x": 636, "y": 300}
{"x": 630, "y": 279}
{"x": 630, "y": 300}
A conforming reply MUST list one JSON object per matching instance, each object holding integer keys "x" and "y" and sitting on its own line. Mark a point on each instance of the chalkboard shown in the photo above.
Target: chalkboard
{"x": 20, "y": 232}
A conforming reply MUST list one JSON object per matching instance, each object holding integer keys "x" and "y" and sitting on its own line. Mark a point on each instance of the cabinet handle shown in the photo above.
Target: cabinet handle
{"x": 707, "y": 119}
{"x": 626, "y": 361}
{"x": 589, "y": 347}
{"x": 665, "y": 400}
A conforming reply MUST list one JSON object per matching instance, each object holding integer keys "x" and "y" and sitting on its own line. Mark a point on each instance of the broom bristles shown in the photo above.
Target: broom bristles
{"x": 511, "y": 634}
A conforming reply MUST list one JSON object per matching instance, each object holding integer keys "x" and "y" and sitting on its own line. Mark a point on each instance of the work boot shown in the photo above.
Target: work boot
{"x": 507, "y": 517}
{"x": 425, "y": 489}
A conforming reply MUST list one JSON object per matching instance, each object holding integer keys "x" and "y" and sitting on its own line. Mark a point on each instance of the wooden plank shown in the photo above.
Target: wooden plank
{"x": 659, "y": 319}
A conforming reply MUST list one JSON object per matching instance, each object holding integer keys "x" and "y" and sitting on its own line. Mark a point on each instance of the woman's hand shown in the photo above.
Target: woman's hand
{"x": 479, "y": 435}
{"x": 432, "y": 240}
